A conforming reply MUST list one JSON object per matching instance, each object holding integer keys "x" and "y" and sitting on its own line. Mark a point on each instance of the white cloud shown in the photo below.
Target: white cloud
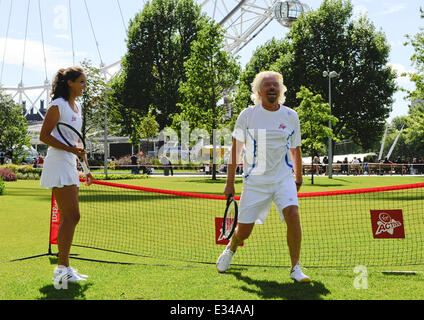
{"x": 34, "y": 58}
{"x": 360, "y": 10}
{"x": 398, "y": 44}
{"x": 63, "y": 36}
{"x": 384, "y": 8}
{"x": 390, "y": 9}
{"x": 400, "y": 69}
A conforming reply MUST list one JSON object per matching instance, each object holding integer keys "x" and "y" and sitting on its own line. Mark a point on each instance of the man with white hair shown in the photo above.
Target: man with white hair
{"x": 269, "y": 132}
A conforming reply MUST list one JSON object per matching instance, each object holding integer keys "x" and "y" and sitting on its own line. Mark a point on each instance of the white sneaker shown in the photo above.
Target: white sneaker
{"x": 224, "y": 260}
{"x": 297, "y": 275}
{"x": 79, "y": 274}
{"x": 62, "y": 274}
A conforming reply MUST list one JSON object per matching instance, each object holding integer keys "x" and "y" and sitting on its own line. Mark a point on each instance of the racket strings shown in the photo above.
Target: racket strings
{"x": 230, "y": 219}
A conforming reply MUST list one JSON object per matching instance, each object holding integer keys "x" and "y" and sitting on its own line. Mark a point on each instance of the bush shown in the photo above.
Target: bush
{"x": 28, "y": 176}
{"x": 22, "y": 168}
{"x": 7, "y": 174}
{"x": 2, "y": 186}
{"x": 97, "y": 176}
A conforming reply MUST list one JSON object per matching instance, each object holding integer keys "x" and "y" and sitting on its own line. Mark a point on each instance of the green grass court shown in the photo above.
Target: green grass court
{"x": 24, "y": 231}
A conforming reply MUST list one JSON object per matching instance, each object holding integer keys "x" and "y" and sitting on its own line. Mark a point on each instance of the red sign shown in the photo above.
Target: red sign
{"x": 219, "y": 237}
{"x": 54, "y": 221}
{"x": 387, "y": 224}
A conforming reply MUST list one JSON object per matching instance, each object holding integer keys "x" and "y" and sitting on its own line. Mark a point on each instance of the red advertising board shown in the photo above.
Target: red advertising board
{"x": 219, "y": 237}
{"x": 387, "y": 224}
{"x": 54, "y": 221}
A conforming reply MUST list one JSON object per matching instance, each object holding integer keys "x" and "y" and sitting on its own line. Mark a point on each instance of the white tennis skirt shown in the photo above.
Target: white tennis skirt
{"x": 59, "y": 170}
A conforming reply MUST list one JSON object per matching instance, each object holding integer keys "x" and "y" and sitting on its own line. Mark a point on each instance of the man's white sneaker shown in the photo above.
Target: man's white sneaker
{"x": 224, "y": 260}
{"x": 297, "y": 275}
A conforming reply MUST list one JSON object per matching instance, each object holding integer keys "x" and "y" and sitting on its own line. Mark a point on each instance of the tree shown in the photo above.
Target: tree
{"x": 415, "y": 129}
{"x": 146, "y": 128}
{"x": 14, "y": 127}
{"x": 211, "y": 73}
{"x": 314, "y": 115}
{"x": 93, "y": 101}
{"x": 328, "y": 39}
{"x": 159, "y": 41}
{"x": 415, "y": 121}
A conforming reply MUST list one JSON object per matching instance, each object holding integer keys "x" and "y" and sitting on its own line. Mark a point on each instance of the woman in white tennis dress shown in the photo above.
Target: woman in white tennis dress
{"x": 60, "y": 166}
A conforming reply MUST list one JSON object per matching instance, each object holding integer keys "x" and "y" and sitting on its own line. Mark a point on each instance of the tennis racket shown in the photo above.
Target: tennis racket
{"x": 230, "y": 218}
{"x": 69, "y": 133}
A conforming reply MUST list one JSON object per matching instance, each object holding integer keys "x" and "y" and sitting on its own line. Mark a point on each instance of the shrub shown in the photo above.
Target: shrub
{"x": 28, "y": 176}
{"x": 22, "y": 168}
{"x": 7, "y": 174}
{"x": 100, "y": 176}
{"x": 2, "y": 186}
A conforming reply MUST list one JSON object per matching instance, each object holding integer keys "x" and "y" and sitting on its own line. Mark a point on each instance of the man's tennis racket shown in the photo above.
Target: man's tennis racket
{"x": 230, "y": 218}
{"x": 67, "y": 132}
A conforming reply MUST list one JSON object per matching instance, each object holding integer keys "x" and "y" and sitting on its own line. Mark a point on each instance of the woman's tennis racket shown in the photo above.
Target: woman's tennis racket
{"x": 67, "y": 132}
{"x": 230, "y": 218}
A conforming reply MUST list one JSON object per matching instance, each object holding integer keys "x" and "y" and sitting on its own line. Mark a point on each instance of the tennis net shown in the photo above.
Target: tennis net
{"x": 372, "y": 227}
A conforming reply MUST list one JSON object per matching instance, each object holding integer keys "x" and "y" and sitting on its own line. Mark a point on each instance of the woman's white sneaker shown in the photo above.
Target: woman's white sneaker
{"x": 79, "y": 274}
{"x": 297, "y": 275}
{"x": 63, "y": 274}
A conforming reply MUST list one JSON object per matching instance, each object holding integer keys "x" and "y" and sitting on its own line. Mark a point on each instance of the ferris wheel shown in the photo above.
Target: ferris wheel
{"x": 242, "y": 21}
{"x": 26, "y": 49}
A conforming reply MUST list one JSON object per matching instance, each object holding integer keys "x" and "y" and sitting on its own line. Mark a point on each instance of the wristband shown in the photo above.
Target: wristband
{"x": 299, "y": 184}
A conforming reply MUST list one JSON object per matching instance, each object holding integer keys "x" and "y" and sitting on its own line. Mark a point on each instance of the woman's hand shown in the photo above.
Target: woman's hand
{"x": 79, "y": 152}
{"x": 88, "y": 179}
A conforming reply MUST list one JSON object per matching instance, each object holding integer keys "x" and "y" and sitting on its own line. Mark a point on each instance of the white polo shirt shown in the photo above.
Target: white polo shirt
{"x": 268, "y": 136}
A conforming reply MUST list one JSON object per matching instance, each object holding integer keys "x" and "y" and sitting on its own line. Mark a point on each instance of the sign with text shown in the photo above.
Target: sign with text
{"x": 54, "y": 221}
{"x": 387, "y": 224}
{"x": 219, "y": 237}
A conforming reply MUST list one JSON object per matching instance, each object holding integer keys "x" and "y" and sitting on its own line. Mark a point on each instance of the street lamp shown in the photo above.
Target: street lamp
{"x": 332, "y": 74}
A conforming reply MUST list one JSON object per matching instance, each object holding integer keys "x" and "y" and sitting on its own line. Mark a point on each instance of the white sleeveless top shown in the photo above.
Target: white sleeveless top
{"x": 60, "y": 166}
{"x": 68, "y": 116}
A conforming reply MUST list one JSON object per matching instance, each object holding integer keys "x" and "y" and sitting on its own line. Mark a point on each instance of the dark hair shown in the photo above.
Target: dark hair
{"x": 60, "y": 87}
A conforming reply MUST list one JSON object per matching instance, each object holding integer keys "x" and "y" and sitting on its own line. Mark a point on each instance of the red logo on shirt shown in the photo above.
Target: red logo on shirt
{"x": 74, "y": 118}
{"x": 282, "y": 126}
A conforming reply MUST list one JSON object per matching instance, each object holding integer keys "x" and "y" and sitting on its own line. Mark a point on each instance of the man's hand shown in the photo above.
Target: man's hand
{"x": 229, "y": 190}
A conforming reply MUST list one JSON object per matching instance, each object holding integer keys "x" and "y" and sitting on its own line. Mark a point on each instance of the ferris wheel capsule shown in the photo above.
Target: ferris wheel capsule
{"x": 287, "y": 11}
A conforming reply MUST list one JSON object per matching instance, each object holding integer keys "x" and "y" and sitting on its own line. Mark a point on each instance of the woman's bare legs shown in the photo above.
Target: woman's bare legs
{"x": 67, "y": 201}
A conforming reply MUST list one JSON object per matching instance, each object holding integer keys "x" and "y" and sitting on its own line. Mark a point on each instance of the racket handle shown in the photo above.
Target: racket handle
{"x": 85, "y": 168}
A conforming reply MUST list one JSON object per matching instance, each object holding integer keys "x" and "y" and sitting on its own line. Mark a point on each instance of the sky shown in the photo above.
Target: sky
{"x": 98, "y": 30}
